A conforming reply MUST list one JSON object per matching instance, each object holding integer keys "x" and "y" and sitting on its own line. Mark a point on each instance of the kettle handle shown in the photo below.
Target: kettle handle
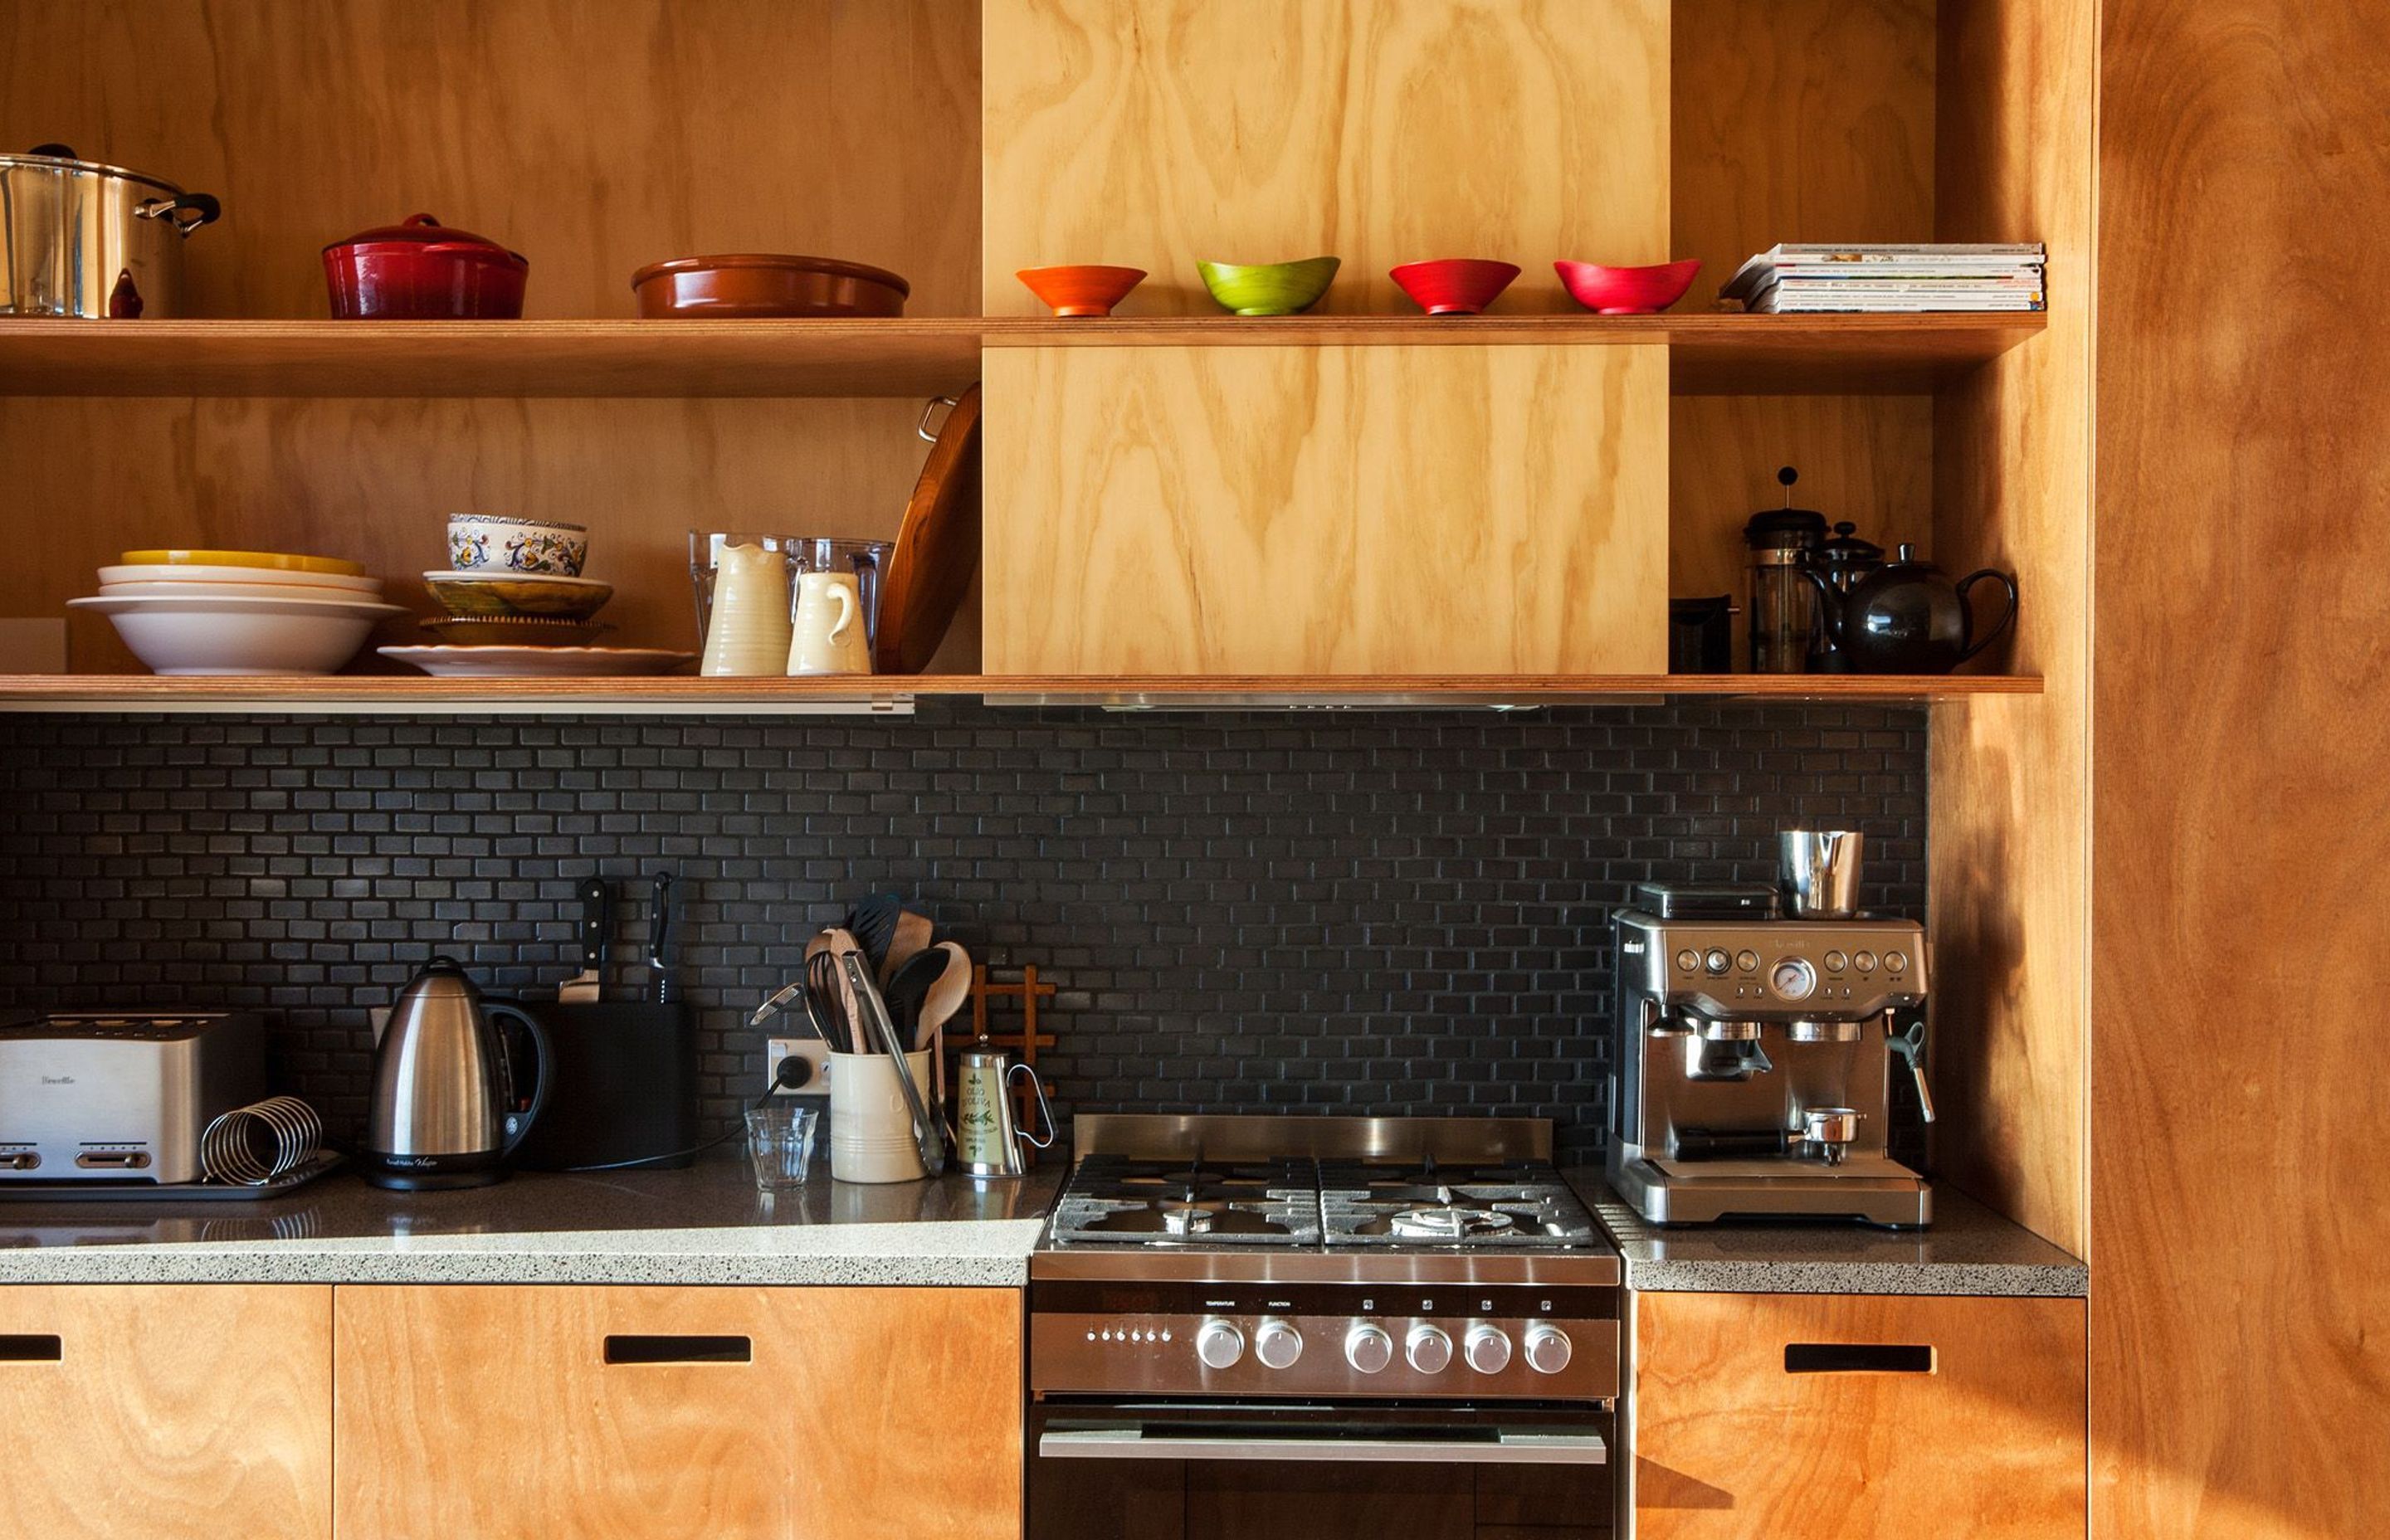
{"x": 543, "y": 1061}
{"x": 2007, "y": 616}
{"x": 1045, "y": 1109}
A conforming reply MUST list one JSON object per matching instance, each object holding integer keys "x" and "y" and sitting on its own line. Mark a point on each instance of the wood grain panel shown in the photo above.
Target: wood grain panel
{"x": 592, "y": 136}
{"x": 1806, "y": 119}
{"x": 1858, "y": 458}
{"x": 2006, "y": 884}
{"x": 2238, "y": 770}
{"x": 1729, "y": 1445}
{"x": 490, "y": 1411}
{"x": 375, "y": 480}
{"x": 1158, "y": 133}
{"x": 1357, "y": 511}
{"x": 171, "y": 1409}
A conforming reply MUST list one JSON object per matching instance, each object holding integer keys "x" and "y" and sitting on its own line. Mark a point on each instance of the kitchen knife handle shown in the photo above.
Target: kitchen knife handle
{"x": 660, "y": 939}
{"x": 593, "y": 923}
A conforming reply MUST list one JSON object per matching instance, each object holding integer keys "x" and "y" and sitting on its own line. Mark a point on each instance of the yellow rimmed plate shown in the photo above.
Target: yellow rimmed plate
{"x": 281, "y": 562}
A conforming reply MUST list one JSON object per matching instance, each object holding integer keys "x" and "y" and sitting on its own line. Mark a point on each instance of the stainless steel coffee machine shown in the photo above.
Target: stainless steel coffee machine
{"x": 1757, "y": 1057}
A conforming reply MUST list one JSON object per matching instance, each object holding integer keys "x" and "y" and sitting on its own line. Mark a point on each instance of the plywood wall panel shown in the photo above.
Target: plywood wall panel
{"x": 2241, "y": 1388}
{"x": 1796, "y": 120}
{"x": 592, "y": 136}
{"x": 2010, "y": 873}
{"x": 1334, "y": 510}
{"x": 1158, "y": 133}
{"x": 374, "y": 480}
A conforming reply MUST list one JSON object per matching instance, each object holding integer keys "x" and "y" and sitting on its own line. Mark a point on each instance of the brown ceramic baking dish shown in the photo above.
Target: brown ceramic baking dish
{"x": 754, "y": 285}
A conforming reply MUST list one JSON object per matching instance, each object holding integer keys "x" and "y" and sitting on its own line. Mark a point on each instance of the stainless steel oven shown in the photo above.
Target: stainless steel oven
{"x": 1387, "y": 1340}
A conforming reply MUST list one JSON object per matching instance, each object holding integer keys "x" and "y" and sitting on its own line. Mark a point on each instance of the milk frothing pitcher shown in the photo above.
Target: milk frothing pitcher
{"x": 1820, "y": 872}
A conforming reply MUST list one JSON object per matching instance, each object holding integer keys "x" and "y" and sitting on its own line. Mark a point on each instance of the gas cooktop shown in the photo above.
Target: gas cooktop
{"x": 1321, "y": 1184}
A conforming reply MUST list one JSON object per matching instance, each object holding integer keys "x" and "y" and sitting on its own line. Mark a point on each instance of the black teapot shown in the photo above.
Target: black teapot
{"x": 1905, "y": 617}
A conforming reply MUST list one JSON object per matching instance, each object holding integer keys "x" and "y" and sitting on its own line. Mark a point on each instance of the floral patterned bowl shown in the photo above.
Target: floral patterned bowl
{"x": 480, "y": 544}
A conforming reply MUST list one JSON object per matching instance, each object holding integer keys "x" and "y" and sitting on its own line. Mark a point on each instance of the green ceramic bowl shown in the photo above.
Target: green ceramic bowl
{"x": 1273, "y": 288}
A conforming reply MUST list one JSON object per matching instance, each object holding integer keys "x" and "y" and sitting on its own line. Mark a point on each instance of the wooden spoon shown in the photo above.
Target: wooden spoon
{"x": 946, "y": 997}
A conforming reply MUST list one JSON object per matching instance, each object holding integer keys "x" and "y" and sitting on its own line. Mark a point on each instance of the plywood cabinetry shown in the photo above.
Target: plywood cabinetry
{"x": 1730, "y": 1443}
{"x": 1314, "y": 511}
{"x": 632, "y": 1412}
{"x": 1158, "y": 133}
{"x": 155, "y": 1409}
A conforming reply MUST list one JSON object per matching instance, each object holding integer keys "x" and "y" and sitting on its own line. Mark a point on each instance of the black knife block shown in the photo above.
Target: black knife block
{"x": 624, "y": 1087}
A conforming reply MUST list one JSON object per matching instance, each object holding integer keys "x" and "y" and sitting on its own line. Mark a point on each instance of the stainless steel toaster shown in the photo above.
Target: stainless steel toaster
{"x": 97, "y": 1098}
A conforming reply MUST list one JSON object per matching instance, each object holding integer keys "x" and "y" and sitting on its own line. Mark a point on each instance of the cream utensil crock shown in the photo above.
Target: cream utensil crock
{"x": 870, "y": 1124}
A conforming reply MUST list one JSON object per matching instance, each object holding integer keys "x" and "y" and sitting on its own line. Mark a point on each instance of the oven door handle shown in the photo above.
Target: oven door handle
{"x": 1504, "y": 1448}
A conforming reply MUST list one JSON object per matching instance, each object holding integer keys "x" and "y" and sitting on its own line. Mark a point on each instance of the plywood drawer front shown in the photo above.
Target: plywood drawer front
{"x": 1803, "y": 1416}
{"x": 1434, "y": 509}
{"x": 603, "y": 1412}
{"x": 158, "y": 1409}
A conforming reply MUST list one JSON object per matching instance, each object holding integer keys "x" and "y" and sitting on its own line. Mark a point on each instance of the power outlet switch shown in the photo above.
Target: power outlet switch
{"x": 813, "y": 1050}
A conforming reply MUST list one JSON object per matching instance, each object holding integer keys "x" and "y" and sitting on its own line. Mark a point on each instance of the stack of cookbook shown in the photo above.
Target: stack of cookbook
{"x": 1810, "y": 279}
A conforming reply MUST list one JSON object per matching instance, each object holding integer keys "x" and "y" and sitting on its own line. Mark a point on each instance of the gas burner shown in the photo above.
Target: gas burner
{"x": 1187, "y": 1218}
{"x": 1452, "y": 1222}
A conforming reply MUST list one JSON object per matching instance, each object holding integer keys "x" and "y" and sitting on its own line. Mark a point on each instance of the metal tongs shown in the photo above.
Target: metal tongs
{"x": 877, "y": 1026}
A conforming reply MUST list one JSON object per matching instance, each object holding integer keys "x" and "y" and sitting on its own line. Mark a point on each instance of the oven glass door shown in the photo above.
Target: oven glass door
{"x": 1198, "y": 1470}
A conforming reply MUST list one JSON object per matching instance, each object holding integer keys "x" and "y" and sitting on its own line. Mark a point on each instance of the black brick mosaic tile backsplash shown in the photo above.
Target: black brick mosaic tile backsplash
{"x": 1398, "y": 913}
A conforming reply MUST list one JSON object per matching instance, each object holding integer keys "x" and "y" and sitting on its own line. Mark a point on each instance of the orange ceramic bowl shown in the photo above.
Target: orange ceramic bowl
{"x": 1087, "y": 289}
{"x": 754, "y": 286}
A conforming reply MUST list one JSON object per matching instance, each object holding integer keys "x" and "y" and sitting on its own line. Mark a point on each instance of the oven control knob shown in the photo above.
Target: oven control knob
{"x": 1278, "y": 1345}
{"x": 1219, "y": 1345}
{"x": 1488, "y": 1348}
{"x": 1548, "y": 1348}
{"x": 1368, "y": 1348}
{"x": 1428, "y": 1349}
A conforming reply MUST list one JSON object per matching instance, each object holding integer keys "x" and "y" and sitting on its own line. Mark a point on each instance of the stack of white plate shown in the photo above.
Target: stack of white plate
{"x": 185, "y": 612}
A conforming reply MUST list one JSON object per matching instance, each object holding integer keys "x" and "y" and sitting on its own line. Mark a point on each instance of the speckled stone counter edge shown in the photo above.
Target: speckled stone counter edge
{"x": 1970, "y": 1250}
{"x": 982, "y": 1254}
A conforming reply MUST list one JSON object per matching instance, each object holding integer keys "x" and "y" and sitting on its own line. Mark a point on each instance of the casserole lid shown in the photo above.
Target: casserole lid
{"x": 424, "y": 230}
{"x": 62, "y": 158}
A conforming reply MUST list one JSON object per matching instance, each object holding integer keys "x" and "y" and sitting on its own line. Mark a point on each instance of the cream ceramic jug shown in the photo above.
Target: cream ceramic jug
{"x": 829, "y": 631}
{"x": 749, "y": 635}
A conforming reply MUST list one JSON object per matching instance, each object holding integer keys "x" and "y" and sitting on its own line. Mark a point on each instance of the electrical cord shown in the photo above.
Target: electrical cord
{"x": 792, "y": 1072}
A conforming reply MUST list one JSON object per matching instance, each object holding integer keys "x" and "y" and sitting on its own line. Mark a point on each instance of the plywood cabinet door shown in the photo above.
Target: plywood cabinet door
{"x": 1806, "y": 1417}
{"x": 167, "y": 1409}
{"x": 552, "y": 1412}
{"x": 1432, "y": 509}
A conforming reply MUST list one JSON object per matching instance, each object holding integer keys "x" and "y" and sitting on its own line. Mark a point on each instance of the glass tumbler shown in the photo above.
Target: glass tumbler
{"x": 780, "y": 1142}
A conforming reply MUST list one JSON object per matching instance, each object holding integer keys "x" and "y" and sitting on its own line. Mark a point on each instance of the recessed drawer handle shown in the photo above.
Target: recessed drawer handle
{"x": 680, "y": 1350}
{"x": 1858, "y": 1358}
{"x": 33, "y": 1348}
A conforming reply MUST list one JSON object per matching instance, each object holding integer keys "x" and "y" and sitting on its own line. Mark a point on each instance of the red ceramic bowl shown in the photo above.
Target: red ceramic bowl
{"x": 754, "y": 286}
{"x": 1087, "y": 289}
{"x": 1628, "y": 291}
{"x": 424, "y": 270}
{"x": 1456, "y": 286}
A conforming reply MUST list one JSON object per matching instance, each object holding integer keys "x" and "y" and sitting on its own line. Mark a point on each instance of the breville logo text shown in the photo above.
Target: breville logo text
{"x": 58, "y": 1080}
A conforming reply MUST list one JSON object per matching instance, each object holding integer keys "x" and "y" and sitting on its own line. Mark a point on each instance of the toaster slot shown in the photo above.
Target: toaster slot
{"x": 112, "y": 1158}
{"x": 19, "y": 1158}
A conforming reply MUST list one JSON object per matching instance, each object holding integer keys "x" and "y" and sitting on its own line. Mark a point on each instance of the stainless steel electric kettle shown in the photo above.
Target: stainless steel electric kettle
{"x": 443, "y": 1112}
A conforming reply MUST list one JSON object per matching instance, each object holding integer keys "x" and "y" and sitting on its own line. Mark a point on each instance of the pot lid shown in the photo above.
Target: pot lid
{"x": 1846, "y": 549}
{"x": 426, "y": 230}
{"x": 62, "y": 158}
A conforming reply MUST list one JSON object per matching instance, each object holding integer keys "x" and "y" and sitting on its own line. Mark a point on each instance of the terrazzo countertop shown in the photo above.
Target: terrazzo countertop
{"x": 706, "y": 1226}
{"x": 1966, "y": 1250}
